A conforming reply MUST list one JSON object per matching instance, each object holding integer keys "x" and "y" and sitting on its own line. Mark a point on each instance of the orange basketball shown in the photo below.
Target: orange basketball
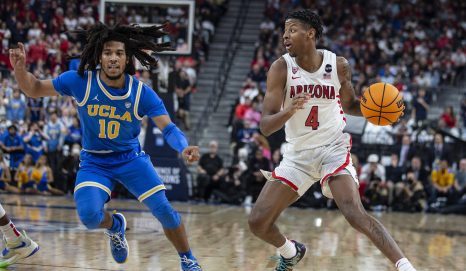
{"x": 382, "y": 104}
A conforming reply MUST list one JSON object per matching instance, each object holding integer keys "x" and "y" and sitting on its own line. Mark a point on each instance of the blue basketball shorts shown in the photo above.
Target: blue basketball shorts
{"x": 133, "y": 169}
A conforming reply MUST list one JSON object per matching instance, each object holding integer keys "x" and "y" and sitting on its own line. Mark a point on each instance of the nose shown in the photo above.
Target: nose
{"x": 286, "y": 35}
{"x": 113, "y": 57}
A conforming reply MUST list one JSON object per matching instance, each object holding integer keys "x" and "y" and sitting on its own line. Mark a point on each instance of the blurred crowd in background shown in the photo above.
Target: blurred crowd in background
{"x": 417, "y": 46}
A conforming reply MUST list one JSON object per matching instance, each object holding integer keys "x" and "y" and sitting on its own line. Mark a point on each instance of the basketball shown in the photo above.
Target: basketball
{"x": 382, "y": 104}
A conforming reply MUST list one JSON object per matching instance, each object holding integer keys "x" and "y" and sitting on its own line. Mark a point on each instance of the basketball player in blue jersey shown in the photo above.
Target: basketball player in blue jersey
{"x": 308, "y": 92}
{"x": 111, "y": 104}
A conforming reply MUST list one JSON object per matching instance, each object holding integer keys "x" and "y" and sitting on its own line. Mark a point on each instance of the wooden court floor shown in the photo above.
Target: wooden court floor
{"x": 221, "y": 240}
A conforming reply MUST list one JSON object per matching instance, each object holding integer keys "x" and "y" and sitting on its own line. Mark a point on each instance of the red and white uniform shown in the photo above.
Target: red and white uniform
{"x": 317, "y": 147}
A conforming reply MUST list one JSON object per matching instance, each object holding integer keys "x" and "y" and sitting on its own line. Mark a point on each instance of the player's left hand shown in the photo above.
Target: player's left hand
{"x": 191, "y": 154}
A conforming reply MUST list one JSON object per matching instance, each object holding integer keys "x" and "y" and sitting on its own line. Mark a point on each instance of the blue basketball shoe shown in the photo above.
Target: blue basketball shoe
{"x": 13, "y": 252}
{"x": 287, "y": 264}
{"x": 118, "y": 243}
{"x": 189, "y": 264}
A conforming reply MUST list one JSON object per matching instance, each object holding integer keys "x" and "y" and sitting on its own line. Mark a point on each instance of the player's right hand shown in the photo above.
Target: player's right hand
{"x": 298, "y": 102}
{"x": 18, "y": 56}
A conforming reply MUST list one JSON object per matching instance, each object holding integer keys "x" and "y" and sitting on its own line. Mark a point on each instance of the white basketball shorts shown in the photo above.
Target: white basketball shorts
{"x": 300, "y": 169}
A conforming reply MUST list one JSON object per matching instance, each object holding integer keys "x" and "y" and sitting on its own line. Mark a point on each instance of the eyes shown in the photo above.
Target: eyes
{"x": 118, "y": 53}
{"x": 291, "y": 30}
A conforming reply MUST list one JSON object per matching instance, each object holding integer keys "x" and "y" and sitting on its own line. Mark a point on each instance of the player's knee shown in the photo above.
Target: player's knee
{"x": 90, "y": 217}
{"x": 257, "y": 223}
{"x": 163, "y": 211}
{"x": 355, "y": 216}
{"x": 168, "y": 216}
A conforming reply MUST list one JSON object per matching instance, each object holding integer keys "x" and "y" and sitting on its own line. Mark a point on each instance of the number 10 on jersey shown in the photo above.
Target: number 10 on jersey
{"x": 108, "y": 130}
{"x": 313, "y": 118}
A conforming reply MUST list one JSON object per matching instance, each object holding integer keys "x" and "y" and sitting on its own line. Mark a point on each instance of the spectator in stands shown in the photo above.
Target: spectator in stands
{"x": 5, "y": 177}
{"x": 23, "y": 175}
{"x": 210, "y": 170}
{"x": 254, "y": 178}
{"x": 183, "y": 92}
{"x": 12, "y": 144}
{"x": 460, "y": 179}
{"x": 421, "y": 107}
{"x": 42, "y": 176}
{"x": 401, "y": 130}
{"x": 439, "y": 151}
{"x": 376, "y": 194}
{"x": 443, "y": 181}
{"x": 55, "y": 131}
{"x": 258, "y": 74}
{"x": 373, "y": 169}
{"x": 16, "y": 107}
{"x": 69, "y": 169}
{"x": 421, "y": 174}
{"x": 394, "y": 174}
{"x": 74, "y": 133}
{"x": 35, "y": 140}
{"x": 448, "y": 117}
{"x": 406, "y": 151}
{"x": 253, "y": 115}
{"x": 230, "y": 189}
{"x": 409, "y": 195}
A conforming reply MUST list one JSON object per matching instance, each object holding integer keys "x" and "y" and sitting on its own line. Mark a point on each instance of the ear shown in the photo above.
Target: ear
{"x": 312, "y": 33}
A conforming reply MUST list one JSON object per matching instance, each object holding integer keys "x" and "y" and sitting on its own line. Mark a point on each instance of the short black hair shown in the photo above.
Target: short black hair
{"x": 308, "y": 17}
{"x": 136, "y": 38}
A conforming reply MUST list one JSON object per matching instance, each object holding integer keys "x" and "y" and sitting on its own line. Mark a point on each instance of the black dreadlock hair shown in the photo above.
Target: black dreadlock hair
{"x": 136, "y": 39}
{"x": 308, "y": 17}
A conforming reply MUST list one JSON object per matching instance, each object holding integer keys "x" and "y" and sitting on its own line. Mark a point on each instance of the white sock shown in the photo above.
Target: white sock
{"x": 288, "y": 250}
{"x": 10, "y": 232}
{"x": 403, "y": 264}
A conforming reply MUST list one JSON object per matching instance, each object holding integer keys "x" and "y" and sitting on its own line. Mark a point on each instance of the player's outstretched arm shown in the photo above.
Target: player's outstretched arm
{"x": 273, "y": 118}
{"x": 28, "y": 83}
{"x": 349, "y": 101}
{"x": 176, "y": 139}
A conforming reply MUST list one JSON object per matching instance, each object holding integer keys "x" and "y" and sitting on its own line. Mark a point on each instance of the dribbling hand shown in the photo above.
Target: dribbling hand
{"x": 18, "y": 56}
{"x": 191, "y": 154}
{"x": 298, "y": 102}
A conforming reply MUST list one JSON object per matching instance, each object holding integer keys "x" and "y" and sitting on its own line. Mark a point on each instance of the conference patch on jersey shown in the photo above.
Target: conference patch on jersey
{"x": 328, "y": 68}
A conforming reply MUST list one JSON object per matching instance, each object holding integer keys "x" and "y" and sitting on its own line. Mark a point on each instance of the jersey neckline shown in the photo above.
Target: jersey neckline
{"x": 319, "y": 70}
{"x": 103, "y": 87}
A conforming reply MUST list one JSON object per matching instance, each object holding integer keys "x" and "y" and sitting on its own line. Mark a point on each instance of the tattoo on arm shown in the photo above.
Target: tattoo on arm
{"x": 351, "y": 102}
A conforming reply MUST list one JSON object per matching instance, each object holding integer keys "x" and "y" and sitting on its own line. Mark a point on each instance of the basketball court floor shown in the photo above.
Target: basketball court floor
{"x": 221, "y": 240}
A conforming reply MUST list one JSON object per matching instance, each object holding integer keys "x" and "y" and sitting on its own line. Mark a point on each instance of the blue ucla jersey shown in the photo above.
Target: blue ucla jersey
{"x": 110, "y": 118}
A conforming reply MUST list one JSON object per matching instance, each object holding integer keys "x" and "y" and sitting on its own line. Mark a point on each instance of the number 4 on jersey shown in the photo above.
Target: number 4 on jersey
{"x": 313, "y": 118}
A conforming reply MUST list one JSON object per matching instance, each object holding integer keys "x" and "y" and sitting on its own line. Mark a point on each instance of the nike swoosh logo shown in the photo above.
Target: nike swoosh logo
{"x": 23, "y": 244}
{"x": 292, "y": 77}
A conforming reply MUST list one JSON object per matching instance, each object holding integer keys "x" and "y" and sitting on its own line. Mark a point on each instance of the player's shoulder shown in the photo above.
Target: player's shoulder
{"x": 341, "y": 61}
{"x": 279, "y": 65}
{"x": 343, "y": 66}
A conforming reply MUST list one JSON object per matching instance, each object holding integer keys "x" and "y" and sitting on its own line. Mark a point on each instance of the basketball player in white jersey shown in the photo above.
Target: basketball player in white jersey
{"x": 307, "y": 91}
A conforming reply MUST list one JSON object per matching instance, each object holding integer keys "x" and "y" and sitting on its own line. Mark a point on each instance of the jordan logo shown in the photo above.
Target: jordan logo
{"x": 96, "y": 98}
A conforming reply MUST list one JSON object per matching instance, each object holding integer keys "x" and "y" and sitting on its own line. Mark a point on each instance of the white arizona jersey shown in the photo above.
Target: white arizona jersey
{"x": 322, "y": 120}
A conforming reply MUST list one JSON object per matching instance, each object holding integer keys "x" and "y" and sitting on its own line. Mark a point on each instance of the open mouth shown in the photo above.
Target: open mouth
{"x": 287, "y": 45}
